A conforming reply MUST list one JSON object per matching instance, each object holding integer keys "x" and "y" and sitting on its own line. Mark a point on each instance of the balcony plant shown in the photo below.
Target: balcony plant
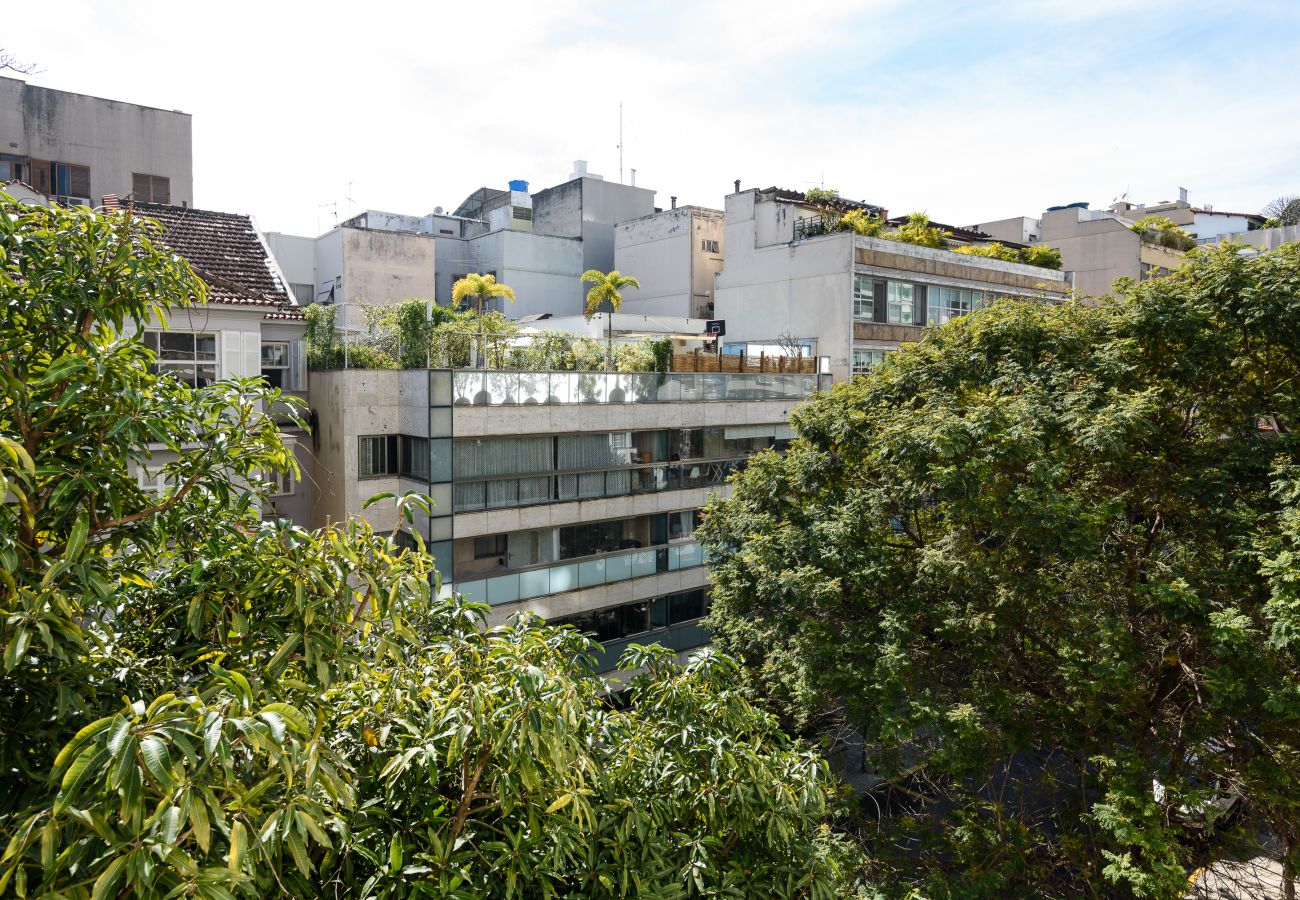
{"x": 1160, "y": 230}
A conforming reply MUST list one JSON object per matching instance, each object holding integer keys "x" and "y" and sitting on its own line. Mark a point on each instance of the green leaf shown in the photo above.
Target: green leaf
{"x": 106, "y": 883}
{"x": 560, "y": 802}
{"x": 85, "y": 765}
{"x": 395, "y": 854}
{"x": 290, "y": 714}
{"x": 238, "y": 844}
{"x": 198, "y": 816}
{"x": 158, "y": 760}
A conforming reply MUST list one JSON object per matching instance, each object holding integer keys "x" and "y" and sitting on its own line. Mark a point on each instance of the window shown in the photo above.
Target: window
{"x": 151, "y": 188}
{"x": 709, "y": 246}
{"x": 275, "y": 363}
{"x": 864, "y": 358}
{"x": 63, "y": 180}
{"x": 523, "y": 213}
{"x": 687, "y": 606}
{"x": 11, "y": 167}
{"x": 187, "y": 355}
{"x": 281, "y": 483}
{"x": 303, "y": 293}
{"x": 413, "y": 457}
{"x": 864, "y": 297}
{"x": 157, "y": 483}
{"x": 944, "y": 303}
{"x": 899, "y": 298}
{"x": 489, "y": 546}
{"x": 377, "y": 456}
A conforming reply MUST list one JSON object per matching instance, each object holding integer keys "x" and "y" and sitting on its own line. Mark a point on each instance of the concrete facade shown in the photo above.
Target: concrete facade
{"x": 675, "y": 254}
{"x": 114, "y": 140}
{"x": 589, "y": 208}
{"x": 1099, "y": 246}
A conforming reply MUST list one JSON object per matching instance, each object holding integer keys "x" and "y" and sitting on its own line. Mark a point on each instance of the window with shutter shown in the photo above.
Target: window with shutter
{"x": 151, "y": 188}
{"x": 79, "y": 179}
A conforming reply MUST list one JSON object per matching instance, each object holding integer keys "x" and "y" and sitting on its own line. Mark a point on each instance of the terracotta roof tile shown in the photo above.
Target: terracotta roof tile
{"x": 226, "y": 252}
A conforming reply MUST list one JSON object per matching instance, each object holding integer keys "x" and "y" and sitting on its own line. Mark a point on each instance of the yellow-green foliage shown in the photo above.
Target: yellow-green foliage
{"x": 1162, "y": 231}
{"x": 859, "y": 221}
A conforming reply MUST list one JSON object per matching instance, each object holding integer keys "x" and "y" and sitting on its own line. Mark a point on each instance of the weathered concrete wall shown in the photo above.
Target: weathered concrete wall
{"x": 387, "y": 266}
{"x": 544, "y": 270}
{"x": 113, "y": 138}
{"x": 1096, "y": 250}
{"x": 666, "y": 252}
{"x": 590, "y": 208}
{"x": 768, "y": 287}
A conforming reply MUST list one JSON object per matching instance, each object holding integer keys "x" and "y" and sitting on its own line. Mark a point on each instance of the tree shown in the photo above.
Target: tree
{"x": 918, "y": 230}
{"x": 607, "y": 289}
{"x": 1039, "y": 559}
{"x": 1283, "y": 210}
{"x": 480, "y": 287}
{"x": 197, "y": 703}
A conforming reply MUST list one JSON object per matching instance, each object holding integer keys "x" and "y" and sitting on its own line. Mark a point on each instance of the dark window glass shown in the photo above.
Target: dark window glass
{"x": 377, "y": 455}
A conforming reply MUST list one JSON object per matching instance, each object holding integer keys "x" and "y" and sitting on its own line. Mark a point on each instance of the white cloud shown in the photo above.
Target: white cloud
{"x": 410, "y": 106}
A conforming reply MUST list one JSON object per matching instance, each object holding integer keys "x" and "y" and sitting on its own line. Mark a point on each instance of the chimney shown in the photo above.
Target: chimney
{"x": 674, "y": 199}
{"x": 634, "y": 178}
{"x": 579, "y": 169}
{"x": 737, "y": 185}
{"x": 1182, "y": 195}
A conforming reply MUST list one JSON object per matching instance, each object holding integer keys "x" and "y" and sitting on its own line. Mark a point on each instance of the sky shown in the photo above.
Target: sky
{"x": 969, "y": 111}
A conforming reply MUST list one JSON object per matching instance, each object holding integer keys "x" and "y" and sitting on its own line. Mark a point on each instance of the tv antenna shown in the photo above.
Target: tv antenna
{"x": 620, "y": 142}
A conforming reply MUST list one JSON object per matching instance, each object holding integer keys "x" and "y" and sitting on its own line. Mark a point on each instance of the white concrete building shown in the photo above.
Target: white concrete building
{"x": 675, "y": 254}
{"x": 847, "y": 297}
{"x": 76, "y": 148}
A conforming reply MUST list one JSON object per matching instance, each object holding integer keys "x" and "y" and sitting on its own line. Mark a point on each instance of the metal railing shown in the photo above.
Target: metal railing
{"x": 472, "y": 387}
{"x": 587, "y": 484}
{"x": 573, "y": 575}
{"x": 810, "y": 226}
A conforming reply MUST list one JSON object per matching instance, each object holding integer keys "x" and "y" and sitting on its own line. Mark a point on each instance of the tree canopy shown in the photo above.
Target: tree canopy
{"x": 1045, "y": 562}
{"x": 198, "y": 703}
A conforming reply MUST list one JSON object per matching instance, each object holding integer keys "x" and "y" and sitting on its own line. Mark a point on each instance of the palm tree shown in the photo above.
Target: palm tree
{"x": 480, "y": 287}
{"x": 607, "y": 289}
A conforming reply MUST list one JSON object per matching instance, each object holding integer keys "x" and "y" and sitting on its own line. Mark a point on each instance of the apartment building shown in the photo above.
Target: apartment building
{"x": 75, "y": 148}
{"x": 789, "y": 279}
{"x": 539, "y": 244}
{"x": 570, "y": 494}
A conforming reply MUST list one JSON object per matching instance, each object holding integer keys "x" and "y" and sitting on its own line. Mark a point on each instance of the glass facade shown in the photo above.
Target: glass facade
{"x": 499, "y": 388}
{"x": 944, "y": 303}
{"x": 864, "y": 358}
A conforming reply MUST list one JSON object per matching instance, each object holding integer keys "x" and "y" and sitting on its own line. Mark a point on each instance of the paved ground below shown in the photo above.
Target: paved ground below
{"x": 1255, "y": 879}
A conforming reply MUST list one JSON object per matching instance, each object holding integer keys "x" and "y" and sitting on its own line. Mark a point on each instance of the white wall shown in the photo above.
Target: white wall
{"x": 767, "y": 288}
{"x": 544, "y": 270}
{"x": 296, "y": 257}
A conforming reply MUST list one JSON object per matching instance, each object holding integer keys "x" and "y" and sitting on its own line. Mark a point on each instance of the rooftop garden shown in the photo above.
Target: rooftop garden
{"x": 917, "y": 230}
{"x": 1163, "y": 232}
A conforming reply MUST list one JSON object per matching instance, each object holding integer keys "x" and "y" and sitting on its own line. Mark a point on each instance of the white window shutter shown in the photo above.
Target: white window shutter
{"x": 232, "y": 350}
{"x": 252, "y": 353}
{"x": 298, "y": 365}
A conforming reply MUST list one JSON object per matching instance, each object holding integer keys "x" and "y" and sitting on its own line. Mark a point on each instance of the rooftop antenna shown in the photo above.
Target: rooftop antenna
{"x": 620, "y": 142}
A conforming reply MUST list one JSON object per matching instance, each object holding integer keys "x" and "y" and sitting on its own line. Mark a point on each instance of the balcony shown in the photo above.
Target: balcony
{"x": 507, "y": 388}
{"x": 590, "y": 484}
{"x": 572, "y": 575}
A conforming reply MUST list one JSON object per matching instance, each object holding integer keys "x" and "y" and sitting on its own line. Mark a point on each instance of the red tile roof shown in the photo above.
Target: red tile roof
{"x": 226, "y": 251}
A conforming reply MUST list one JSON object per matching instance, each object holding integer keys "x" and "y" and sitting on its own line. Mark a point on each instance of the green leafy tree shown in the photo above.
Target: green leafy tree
{"x": 993, "y": 250}
{"x": 197, "y": 703}
{"x": 1039, "y": 560}
{"x": 481, "y": 288}
{"x": 607, "y": 290}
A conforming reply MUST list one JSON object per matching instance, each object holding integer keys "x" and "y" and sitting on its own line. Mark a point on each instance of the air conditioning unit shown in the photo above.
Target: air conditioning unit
{"x": 67, "y": 200}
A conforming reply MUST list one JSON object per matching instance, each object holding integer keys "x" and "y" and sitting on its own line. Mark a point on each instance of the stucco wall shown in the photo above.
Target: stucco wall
{"x": 113, "y": 138}
{"x": 544, "y": 271}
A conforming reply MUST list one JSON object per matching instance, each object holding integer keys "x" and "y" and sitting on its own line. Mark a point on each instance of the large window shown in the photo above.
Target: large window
{"x": 899, "y": 302}
{"x": 376, "y": 455}
{"x": 64, "y": 180}
{"x": 489, "y": 546}
{"x": 190, "y": 356}
{"x": 864, "y": 297}
{"x": 946, "y": 303}
{"x": 413, "y": 457}
{"x": 151, "y": 188}
{"x": 865, "y": 358}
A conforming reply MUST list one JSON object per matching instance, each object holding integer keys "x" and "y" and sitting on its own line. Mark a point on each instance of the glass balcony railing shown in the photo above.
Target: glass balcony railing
{"x": 566, "y": 487}
{"x": 677, "y": 637}
{"x": 540, "y": 581}
{"x": 500, "y": 388}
